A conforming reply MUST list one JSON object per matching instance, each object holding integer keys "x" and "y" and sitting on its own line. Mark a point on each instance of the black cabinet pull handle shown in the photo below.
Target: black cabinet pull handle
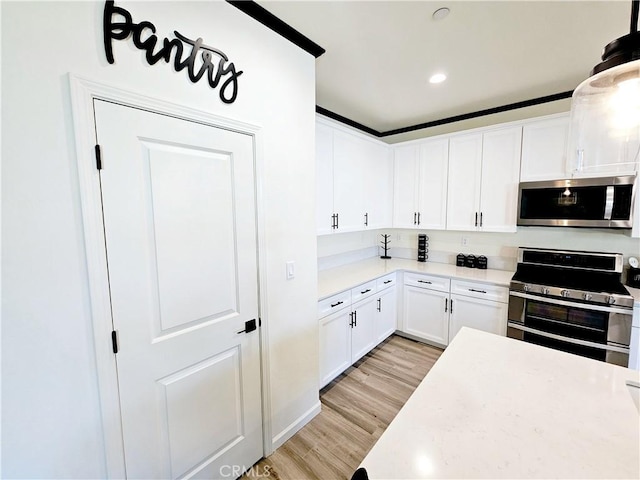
{"x": 355, "y": 318}
{"x": 337, "y": 221}
{"x": 333, "y": 221}
{"x": 476, "y": 219}
{"x": 424, "y": 281}
{"x": 336, "y": 304}
{"x": 479, "y": 291}
{"x": 480, "y": 218}
{"x": 366, "y": 291}
{"x": 418, "y": 218}
{"x": 387, "y": 281}
{"x": 380, "y": 304}
{"x": 451, "y": 306}
{"x": 366, "y": 219}
{"x": 415, "y": 216}
{"x": 351, "y": 321}
{"x": 446, "y": 301}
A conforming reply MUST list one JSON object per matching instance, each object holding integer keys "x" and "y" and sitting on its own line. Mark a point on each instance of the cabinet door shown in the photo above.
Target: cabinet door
{"x": 500, "y": 177}
{"x": 425, "y": 314}
{"x": 324, "y": 178}
{"x": 463, "y": 195}
{"x": 477, "y": 313}
{"x": 544, "y": 149}
{"x": 335, "y": 345}
{"x": 378, "y": 187}
{"x": 405, "y": 173}
{"x": 432, "y": 187}
{"x": 386, "y": 318}
{"x": 349, "y": 154}
{"x": 363, "y": 335}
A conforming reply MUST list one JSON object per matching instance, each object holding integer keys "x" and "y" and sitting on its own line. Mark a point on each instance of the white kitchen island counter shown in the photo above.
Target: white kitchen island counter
{"x": 494, "y": 407}
{"x": 342, "y": 278}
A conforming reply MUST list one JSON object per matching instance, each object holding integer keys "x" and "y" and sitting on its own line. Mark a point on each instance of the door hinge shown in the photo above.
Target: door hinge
{"x": 114, "y": 341}
{"x": 98, "y": 158}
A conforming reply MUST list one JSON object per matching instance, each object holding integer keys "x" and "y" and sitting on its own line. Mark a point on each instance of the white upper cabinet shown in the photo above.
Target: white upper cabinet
{"x": 405, "y": 186}
{"x": 484, "y": 170}
{"x": 354, "y": 177}
{"x": 349, "y": 164}
{"x": 324, "y": 179}
{"x": 378, "y": 186}
{"x": 544, "y": 149}
{"x": 465, "y": 174}
{"x": 500, "y": 174}
{"x": 420, "y": 185}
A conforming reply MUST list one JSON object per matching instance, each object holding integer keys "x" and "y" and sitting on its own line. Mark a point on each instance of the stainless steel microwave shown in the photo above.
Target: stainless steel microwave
{"x": 586, "y": 202}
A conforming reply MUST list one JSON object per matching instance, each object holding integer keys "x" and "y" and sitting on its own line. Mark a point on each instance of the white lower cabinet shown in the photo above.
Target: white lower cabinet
{"x": 436, "y": 308}
{"x": 478, "y": 305}
{"x": 485, "y": 315}
{"x": 425, "y": 313}
{"x": 363, "y": 333}
{"x": 386, "y": 314}
{"x": 335, "y": 345}
{"x": 353, "y": 322}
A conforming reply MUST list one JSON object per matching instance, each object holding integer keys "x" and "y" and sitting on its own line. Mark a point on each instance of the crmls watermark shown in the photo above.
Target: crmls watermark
{"x": 235, "y": 471}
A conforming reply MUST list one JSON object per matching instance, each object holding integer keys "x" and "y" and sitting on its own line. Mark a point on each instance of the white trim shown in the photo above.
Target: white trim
{"x": 83, "y": 92}
{"x": 296, "y": 425}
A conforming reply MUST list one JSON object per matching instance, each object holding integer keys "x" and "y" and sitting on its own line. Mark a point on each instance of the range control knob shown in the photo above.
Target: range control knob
{"x": 565, "y": 293}
{"x": 611, "y": 299}
{"x": 544, "y": 291}
{"x": 587, "y": 296}
{"x": 526, "y": 288}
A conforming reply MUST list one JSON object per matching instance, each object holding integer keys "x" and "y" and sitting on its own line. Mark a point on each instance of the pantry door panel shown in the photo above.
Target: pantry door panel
{"x": 180, "y": 229}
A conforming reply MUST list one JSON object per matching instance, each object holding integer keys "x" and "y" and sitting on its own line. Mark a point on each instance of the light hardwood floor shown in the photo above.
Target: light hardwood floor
{"x": 356, "y": 408}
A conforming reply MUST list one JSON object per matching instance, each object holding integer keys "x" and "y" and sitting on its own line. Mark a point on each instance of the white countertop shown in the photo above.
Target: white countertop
{"x": 495, "y": 407}
{"x": 635, "y": 293}
{"x": 338, "y": 279}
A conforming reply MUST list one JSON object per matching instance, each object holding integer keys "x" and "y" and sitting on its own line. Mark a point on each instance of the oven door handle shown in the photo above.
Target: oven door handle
{"x": 566, "y": 303}
{"x": 584, "y": 343}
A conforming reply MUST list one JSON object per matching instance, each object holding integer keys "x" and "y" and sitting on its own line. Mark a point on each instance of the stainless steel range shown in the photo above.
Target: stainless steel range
{"x": 571, "y": 301}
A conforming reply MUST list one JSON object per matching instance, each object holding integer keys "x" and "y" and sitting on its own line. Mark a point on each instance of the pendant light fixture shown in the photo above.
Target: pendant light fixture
{"x": 605, "y": 109}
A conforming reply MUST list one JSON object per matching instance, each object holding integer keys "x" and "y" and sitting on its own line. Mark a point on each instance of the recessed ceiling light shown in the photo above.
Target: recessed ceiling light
{"x": 440, "y": 13}
{"x": 437, "y": 78}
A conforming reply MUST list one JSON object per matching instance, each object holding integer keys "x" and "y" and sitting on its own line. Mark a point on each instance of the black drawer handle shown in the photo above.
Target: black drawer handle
{"x": 387, "y": 281}
{"x": 336, "y": 304}
{"x": 366, "y": 291}
{"x": 424, "y": 281}
{"x": 474, "y": 290}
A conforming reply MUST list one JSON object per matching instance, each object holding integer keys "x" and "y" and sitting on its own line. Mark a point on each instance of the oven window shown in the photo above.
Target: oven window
{"x": 589, "y": 352}
{"x": 567, "y": 321}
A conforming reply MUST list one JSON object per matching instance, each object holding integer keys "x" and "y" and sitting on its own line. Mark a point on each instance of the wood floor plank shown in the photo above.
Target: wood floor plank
{"x": 356, "y": 409}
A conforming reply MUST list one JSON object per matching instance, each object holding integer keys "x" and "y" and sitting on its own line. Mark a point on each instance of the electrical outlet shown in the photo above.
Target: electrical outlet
{"x": 465, "y": 241}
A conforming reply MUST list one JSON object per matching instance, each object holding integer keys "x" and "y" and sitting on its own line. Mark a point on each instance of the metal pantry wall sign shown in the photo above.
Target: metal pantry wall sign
{"x": 214, "y": 64}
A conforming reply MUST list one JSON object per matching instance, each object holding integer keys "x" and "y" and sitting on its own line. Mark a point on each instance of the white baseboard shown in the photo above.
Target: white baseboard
{"x": 296, "y": 425}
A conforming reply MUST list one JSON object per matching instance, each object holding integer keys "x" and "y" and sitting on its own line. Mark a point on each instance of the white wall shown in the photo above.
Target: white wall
{"x": 499, "y": 248}
{"x": 50, "y": 411}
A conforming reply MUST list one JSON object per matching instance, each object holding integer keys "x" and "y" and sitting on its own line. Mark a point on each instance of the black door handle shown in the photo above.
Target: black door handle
{"x": 249, "y": 326}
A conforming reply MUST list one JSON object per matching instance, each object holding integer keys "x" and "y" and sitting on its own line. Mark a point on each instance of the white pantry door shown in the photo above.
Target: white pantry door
{"x": 179, "y": 219}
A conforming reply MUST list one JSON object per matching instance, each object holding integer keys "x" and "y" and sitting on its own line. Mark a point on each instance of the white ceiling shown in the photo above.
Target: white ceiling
{"x": 380, "y": 54}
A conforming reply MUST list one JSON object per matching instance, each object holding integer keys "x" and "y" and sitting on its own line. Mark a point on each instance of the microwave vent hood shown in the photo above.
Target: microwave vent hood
{"x": 605, "y": 202}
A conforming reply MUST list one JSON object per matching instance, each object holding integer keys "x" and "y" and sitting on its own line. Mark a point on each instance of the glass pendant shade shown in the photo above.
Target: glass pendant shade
{"x": 604, "y": 131}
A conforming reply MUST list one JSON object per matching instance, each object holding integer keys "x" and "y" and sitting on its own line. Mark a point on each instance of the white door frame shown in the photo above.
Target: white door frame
{"x": 83, "y": 93}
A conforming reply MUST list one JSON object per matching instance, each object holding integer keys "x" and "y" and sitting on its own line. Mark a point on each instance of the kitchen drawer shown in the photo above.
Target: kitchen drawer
{"x": 334, "y": 303}
{"x": 386, "y": 281}
{"x": 432, "y": 282}
{"x": 486, "y": 291}
{"x": 363, "y": 291}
